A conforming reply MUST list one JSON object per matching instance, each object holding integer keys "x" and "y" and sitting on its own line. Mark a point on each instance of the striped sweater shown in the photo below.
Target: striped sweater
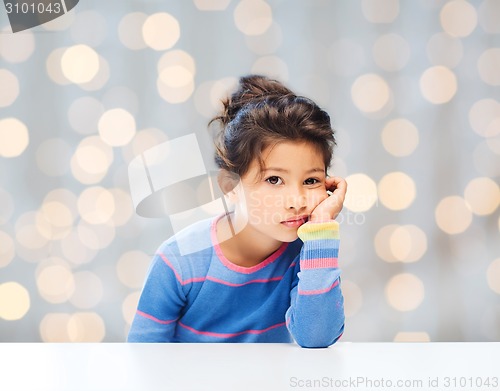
{"x": 192, "y": 293}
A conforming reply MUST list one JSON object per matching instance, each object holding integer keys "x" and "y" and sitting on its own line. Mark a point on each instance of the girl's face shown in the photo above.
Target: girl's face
{"x": 277, "y": 201}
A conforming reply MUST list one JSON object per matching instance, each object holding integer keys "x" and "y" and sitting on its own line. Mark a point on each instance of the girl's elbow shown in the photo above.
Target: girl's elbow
{"x": 319, "y": 341}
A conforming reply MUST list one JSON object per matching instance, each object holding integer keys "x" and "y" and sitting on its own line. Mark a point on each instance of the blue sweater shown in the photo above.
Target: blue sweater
{"x": 193, "y": 293}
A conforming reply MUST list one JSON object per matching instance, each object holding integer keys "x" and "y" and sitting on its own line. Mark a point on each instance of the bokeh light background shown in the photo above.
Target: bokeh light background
{"x": 413, "y": 88}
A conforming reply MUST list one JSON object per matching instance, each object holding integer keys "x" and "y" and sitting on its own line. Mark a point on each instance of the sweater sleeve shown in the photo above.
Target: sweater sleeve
{"x": 316, "y": 314}
{"x": 161, "y": 302}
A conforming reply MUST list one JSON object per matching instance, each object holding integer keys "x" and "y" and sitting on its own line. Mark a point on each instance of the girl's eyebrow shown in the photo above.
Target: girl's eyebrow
{"x": 287, "y": 171}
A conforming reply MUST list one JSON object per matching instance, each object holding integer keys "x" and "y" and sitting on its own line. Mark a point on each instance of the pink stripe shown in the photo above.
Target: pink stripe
{"x": 170, "y": 266}
{"x": 262, "y": 280}
{"x": 319, "y": 291}
{"x": 240, "y": 269}
{"x": 202, "y": 279}
{"x": 150, "y": 317}
{"x": 318, "y": 263}
{"x": 230, "y": 335}
{"x": 195, "y": 279}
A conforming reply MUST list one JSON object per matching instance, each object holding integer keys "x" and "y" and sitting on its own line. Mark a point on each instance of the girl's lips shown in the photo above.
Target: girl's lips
{"x": 295, "y": 222}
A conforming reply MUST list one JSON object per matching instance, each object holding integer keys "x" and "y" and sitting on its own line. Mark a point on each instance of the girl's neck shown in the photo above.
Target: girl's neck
{"x": 243, "y": 246}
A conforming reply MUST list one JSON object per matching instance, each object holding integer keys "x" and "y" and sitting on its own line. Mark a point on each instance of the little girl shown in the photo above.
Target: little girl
{"x": 267, "y": 271}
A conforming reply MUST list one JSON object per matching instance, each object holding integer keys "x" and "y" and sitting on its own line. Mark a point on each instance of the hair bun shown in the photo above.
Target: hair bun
{"x": 251, "y": 89}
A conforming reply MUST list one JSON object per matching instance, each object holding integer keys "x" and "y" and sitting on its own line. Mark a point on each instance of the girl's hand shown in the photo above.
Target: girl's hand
{"x": 330, "y": 207}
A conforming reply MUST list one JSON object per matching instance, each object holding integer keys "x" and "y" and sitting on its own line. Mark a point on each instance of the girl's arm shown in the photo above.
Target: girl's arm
{"x": 160, "y": 304}
{"x": 316, "y": 314}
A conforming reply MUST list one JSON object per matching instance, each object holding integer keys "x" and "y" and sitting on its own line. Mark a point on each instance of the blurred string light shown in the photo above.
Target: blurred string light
{"x": 400, "y": 137}
{"x": 412, "y": 336}
{"x": 207, "y": 96}
{"x": 438, "y": 84}
{"x": 10, "y": 88}
{"x": 272, "y": 66}
{"x": 96, "y": 205}
{"x": 54, "y": 220}
{"x": 380, "y": 11}
{"x": 484, "y": 117}
{"x": 54, "y": 327}
{"x": 487, "y": 65}
{"x": 77, "y": 327}
{"x": 91, "y": 160}
{"x": 211, "y": 5}
{"x": 362, "y": 193}
{"x": 55, "y": 269}
{"x": 405, "y": 292}
{"x": 482, "y": 195}
{"x": 161, "y": 31}
{"x": 79, "y": 64}
{"x": 253, "y": 17}
{"x": 131, "y": 268}
{"x": 396, "y": 190}
{"x": 28, "y": 235}
{"x": 493, "y": 144}
{"x": 53, "y": 66}
{"x": 117, "y": 127}
{"x": 86, "y": 327}
{"x": 453, "y": 215}
{"x": 400, "y": 243}
{"x": 176, "y": 72}
{"x": 15, "y": 301}
{"x": 14, "y": 137}
{"x": 458, "y": 18}
{"x": 370, "y": 93}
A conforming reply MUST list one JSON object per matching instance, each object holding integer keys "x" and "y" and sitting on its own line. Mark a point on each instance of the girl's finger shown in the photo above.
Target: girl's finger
{"x": 336, "y": 185}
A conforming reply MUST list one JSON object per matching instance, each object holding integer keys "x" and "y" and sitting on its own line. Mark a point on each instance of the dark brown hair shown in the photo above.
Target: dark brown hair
{"x": 263, "y": 112}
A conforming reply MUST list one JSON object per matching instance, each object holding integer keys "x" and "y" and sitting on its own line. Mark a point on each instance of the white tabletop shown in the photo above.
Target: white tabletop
{"x": 344, "y": 366}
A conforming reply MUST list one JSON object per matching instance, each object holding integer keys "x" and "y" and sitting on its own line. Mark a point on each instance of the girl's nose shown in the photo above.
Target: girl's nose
{"x": 296, "y": 200}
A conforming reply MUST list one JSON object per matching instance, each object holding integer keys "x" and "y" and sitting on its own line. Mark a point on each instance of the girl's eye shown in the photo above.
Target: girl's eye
{"x": 311, "y": 181}
{"x": 274, "y": 180}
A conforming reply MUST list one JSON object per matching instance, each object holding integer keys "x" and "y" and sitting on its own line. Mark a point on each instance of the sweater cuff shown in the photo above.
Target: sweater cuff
{"x": 318, "y": 231}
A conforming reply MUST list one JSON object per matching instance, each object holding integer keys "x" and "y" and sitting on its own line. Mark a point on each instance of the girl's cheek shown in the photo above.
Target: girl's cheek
{"x": 318, "y": 197}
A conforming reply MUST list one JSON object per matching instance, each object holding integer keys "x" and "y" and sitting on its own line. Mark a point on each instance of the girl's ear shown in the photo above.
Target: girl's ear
{"x": 227, "y": 183}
